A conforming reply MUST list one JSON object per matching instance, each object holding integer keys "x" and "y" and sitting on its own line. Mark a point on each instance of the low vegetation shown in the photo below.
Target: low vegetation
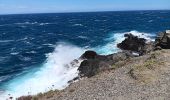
{"x": 145, "y": 70}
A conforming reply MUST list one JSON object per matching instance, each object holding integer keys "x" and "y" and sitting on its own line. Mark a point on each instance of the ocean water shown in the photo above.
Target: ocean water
{"x": 36, "y": 49}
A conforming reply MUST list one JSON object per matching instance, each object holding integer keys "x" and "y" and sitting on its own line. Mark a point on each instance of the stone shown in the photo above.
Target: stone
{"x": 89, "y": 55}
{"x": 163, "y": 40}
{"x": 133, "y": 43}
{"x": 100, "y": 63}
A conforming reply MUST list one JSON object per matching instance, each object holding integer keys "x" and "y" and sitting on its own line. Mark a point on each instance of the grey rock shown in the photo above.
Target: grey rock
{"x": 163, "y": 40}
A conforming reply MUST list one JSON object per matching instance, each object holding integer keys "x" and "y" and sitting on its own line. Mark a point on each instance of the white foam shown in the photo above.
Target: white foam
{"x": 147, "y": 36}
{"x": 14, "y": 53}
{"x": 111, "y": 46}
{"x": 82, "y": 37}
{"x": 77, "y": 25}
{"x": 2, "y": 78}
{"x": 41, "y": 24}
{"x": 150, "y": 21}
{"x": 33, "y": 52}
{"x": 6, "y": 41}
{"x": 54, "y": 74}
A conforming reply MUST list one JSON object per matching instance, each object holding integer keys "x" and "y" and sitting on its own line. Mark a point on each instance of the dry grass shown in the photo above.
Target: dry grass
{"x": 39, "y": 96}
{"x": 146, "y": 70}
{"x": 121, "y": 63}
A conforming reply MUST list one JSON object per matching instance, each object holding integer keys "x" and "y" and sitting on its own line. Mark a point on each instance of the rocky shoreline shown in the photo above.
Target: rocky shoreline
{"x": 132, "y": 46}
{"x": 98, "y": 73}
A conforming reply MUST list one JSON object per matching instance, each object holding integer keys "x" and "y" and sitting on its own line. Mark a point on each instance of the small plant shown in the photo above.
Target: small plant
{"x": 150, "y": 64}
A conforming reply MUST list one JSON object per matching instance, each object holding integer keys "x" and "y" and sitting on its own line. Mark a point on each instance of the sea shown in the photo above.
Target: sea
{"x": 36, "y": 49}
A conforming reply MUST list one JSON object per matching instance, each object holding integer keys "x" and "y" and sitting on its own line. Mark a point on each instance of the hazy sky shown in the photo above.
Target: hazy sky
{"x": 40, "y": 6}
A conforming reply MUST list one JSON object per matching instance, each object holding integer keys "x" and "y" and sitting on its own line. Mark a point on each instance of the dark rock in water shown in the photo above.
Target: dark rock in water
{"x": 133, "y": 43}
{"x": 89, "y": 55}
{"x": 10, "y": 98}
{"x": 163, "y": 40}
{"x": 76, "y": 78}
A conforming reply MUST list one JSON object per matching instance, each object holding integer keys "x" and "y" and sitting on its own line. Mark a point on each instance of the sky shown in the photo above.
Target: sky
{"x": 52, "y": 6}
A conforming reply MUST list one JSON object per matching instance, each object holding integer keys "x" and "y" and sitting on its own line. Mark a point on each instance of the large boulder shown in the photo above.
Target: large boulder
{"x": 93, "y": 64}
{"x": 89, "y": 68}
{"x": 89, "y": 55}
{"x": 133, "y": 43}
{"x": 163, "y": 40}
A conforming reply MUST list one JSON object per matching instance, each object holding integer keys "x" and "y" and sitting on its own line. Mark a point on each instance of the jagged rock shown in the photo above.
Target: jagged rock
{"x": 90, "y": 67}
{"x": 133, "y": 43}
{"x": 89, "y": 55}
{"x": 95, "y": 63}
{"x": 163, "y": 40}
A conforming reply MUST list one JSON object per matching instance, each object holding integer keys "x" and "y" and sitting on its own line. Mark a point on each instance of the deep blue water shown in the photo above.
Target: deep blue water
{"x": 26, "y": 39}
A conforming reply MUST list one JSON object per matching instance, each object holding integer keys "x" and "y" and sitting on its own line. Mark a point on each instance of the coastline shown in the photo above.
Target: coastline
{"x": 120, "y": 83}
{"x": 138, "y": 76}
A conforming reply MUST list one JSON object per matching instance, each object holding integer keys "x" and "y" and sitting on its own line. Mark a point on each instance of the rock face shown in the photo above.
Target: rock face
{"x": 89, "y": 55}
{"x": 92, "y": 67}
{"x": 135, "y": 44}
{"x": 94, "y": 63}
{"x": 163, "y": 40}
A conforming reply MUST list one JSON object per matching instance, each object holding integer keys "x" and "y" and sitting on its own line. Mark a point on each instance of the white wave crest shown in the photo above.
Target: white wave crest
{"x": 77, "y": 25}
{"x": 6, "y": 41}
{"x": 54, "y": 74}
{"x": 147, "y": 36}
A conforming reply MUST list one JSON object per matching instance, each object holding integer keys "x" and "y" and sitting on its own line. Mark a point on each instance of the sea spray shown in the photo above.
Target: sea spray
{"x": 54, "y": 73}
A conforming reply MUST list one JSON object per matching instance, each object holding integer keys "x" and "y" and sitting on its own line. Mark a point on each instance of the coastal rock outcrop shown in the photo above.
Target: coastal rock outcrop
{"x": 163, "y": 40}
{"x": 135, "y": 44}
{"x": 91, "y": 67}
{"x": 89, "y": 55}
{"x": 94, "y": 63}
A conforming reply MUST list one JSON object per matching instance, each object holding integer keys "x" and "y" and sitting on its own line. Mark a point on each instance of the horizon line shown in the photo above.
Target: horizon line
{"x": 85, "y": 11}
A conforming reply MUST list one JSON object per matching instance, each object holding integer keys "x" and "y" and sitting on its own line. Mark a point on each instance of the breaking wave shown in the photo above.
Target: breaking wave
{"x": 56, "y": 71}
